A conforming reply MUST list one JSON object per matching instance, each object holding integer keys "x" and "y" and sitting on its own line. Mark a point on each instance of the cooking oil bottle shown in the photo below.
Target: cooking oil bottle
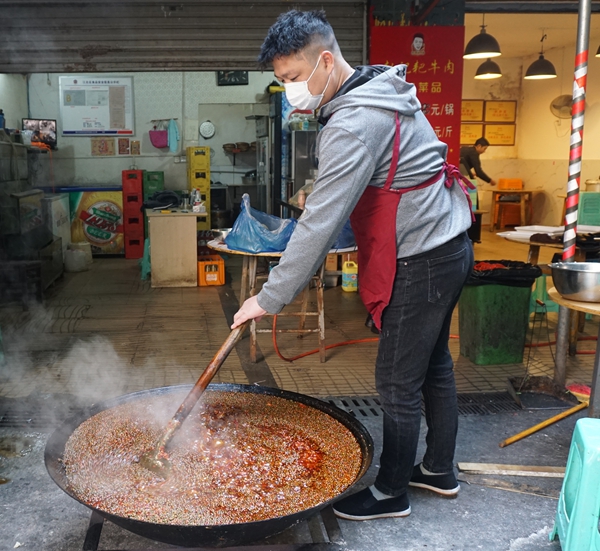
{"x": 350, "y": 277}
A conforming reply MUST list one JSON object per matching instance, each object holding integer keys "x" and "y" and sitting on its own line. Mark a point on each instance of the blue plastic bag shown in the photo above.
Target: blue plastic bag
{"x": 258, "y": 232}
{"x": 346, "y": 238}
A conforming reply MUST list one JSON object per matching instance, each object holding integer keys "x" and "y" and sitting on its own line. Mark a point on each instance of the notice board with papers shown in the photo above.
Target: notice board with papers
{"x": 96, "y": 105}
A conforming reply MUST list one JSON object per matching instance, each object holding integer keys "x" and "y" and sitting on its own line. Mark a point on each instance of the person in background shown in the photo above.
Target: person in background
{"x": 470, "y": 162}
{"x": 381, "y": 162}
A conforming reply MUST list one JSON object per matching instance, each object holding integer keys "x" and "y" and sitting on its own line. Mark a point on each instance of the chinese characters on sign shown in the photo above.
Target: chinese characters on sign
{"x": 500, "y": 111}
{"x": 472, "y": 110}
{"x": 488, "y": 114}
{"x": 500, "y": 134}
{"x": 434, "y": 64}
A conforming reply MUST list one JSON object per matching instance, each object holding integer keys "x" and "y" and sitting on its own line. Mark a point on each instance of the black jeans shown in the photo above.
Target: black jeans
{"x": 414, "y": 359}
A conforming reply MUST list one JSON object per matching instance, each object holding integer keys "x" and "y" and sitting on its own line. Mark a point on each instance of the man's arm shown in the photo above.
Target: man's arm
{"x": 345, "y": 169}
{"x": 475, "y": 162}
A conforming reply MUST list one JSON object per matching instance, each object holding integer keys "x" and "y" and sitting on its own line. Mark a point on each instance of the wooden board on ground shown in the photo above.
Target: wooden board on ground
{"x": 511, "y": 470}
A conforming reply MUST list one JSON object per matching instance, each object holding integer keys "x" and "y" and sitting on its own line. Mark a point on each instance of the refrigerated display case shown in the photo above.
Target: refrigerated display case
{"x": 97, "y": 217}
{"x": 303, "y": 159}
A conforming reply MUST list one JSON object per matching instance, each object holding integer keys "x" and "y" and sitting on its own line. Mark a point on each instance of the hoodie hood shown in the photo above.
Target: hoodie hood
{"x": 388, "y": 90}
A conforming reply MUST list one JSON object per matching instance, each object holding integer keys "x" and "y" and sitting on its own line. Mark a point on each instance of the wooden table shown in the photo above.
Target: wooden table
{"x": 534, "y": 247}
{"x": 525, "y": 198}
{"x": 248, "y": 289}
{"x": 174, "y": 248}
{"x": 588, "y": 308}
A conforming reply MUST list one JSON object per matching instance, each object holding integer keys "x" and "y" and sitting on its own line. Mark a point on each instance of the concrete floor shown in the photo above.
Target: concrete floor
{"x": 104, "y": 333}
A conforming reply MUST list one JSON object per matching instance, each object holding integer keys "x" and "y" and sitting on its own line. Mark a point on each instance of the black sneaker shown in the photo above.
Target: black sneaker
{"x": 364, "y": 506}
{"x": 443, "y": 484}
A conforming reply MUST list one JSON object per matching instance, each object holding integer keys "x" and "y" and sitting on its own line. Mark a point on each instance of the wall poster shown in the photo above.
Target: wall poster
{"x": 500, "y": 134}
{"x": 123, "y": 146}
{"x": 433, "y": 56}
{"x": 96, "y": 106}
{"x": 500, "y": 111}
{"x": 103, "y": 147}
{"x": 470, "y": 133}
{"x": 471, "y": 110}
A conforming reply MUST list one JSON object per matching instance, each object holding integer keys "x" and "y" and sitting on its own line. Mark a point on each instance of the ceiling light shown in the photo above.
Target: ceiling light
{"x": 598, "y": 52}
{"x": 542, "y": 68}
{"x": 482, "y": 45}
{"x": 488, "y": 70}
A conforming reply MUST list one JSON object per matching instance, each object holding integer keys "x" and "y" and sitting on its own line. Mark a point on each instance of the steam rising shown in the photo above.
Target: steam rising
{"x": 50, "y": 367}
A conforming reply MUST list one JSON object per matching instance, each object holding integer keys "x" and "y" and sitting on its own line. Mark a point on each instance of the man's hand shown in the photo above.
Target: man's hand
{"x": 249, "y": 310}
{"x": 492, "y": 182}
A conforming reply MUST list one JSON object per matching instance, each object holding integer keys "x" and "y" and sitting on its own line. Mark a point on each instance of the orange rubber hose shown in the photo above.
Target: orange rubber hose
{"x": 374, "y": 339}
{"x": 355, "y": 341}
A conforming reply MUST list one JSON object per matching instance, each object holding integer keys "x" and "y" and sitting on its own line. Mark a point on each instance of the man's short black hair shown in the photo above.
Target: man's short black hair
{"x": 482, "y": 142}
{"x": 293, "y": 32}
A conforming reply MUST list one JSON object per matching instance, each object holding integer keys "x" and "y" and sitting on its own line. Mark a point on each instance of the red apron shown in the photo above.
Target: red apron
{"x": 374, "y": 224}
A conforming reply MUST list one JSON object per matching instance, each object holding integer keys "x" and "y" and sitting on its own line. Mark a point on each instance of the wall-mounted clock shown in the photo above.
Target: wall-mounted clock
{"x": 207, "y": 130}
{"x": 230, "y": 78}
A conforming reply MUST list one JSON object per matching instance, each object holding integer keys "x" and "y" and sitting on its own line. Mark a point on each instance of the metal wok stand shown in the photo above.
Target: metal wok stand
{"x": 332, "y": 540}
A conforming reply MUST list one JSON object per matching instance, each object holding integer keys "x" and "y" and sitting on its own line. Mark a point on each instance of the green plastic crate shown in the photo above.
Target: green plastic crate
{"x": 153, "y": 182}
{"x": 493, "y": 321}
{"x": 589, "y": 208}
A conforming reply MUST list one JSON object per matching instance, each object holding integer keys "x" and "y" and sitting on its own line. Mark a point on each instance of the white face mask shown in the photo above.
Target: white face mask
{"x": 299, "y": 95}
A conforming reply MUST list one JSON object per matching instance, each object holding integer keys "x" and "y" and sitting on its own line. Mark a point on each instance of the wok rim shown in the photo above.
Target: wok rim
{"x": 215, "y": 533}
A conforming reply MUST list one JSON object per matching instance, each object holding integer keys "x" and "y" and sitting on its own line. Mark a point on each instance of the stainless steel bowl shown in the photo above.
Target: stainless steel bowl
{"x": 221, "y": 234}
{"x": 577, "y": 280}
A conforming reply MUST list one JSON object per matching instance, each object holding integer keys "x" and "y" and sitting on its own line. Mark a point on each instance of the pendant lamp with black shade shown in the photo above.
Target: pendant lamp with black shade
{"x": 488, "y": 70}
{"x": 541, "y": 68}
{"x": 598, "y": 52}
{"x": 482, "y": 45}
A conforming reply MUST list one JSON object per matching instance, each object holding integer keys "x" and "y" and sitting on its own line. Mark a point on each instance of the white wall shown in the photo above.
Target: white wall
{"x": 157, "y": 95}
{"x": 13, "y": 99}
{"x": 541, "y": 154}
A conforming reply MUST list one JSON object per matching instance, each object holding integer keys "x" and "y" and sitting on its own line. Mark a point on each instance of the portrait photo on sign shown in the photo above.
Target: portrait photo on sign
{"x": 418, "y": 45}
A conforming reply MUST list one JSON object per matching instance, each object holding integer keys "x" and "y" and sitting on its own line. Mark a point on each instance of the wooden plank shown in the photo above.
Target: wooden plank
{"x": 512, "y": 470}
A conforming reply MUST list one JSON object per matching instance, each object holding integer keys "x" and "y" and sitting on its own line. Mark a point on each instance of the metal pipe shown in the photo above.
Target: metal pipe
{"x": 562, "y": 343}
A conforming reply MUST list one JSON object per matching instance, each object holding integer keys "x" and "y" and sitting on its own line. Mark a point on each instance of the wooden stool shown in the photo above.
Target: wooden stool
{"x": 249, "y": 280}
{"x": 524, "y": 202}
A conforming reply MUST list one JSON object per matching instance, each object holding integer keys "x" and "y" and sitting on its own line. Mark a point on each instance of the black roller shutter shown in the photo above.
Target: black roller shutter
{"x": 140, "y": 35}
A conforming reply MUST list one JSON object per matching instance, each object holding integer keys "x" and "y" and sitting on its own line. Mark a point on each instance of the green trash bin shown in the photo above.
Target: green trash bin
{"x": 493, "y": 313}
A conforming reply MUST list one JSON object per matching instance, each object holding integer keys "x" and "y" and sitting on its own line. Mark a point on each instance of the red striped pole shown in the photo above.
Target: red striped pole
{"x": 577, "y": 119}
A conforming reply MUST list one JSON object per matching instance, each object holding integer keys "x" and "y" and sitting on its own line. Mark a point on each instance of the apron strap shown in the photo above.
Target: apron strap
{"x": 453, "y": 174}
{"x": 395, "y": 156}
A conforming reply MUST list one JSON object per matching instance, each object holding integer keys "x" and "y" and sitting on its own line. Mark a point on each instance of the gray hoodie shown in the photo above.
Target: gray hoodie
{"x": 355, "y": 150}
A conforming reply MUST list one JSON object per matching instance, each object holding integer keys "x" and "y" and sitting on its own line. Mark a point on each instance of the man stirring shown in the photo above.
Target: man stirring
{"x": 380, "y": 162}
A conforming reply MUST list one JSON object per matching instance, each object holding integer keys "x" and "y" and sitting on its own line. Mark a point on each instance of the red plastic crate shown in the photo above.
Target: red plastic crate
{"x": 132, "y": 203}
{"x": 134, "y": 246}
{"x": 133, "y": 223}
{"x": 132, "y": 181}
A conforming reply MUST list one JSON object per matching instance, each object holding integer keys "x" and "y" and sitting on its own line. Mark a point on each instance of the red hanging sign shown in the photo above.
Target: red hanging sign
{"x": 433, "y": 56}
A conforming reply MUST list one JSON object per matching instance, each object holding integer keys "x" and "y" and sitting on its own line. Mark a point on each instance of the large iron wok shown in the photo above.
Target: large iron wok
{"x": 215, "y": 535}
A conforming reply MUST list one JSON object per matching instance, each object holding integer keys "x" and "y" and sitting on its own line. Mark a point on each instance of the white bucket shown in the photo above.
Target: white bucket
{"x": 75, "y": 261}
{"x": 86, "y": 248}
